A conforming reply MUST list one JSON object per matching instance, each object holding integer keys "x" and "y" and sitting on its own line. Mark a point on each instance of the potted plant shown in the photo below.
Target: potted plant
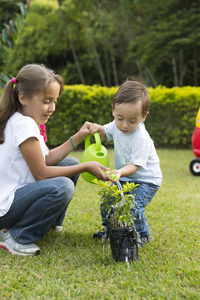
{"x": 118, "y": 202}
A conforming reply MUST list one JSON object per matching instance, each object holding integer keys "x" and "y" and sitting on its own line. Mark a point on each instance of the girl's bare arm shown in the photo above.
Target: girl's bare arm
{"x": 59, "y": 153}
{"x": 32, "y": 153}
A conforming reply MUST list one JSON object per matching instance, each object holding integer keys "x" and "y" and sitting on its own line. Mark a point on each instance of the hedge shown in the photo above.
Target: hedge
{"x": 170, "y": 123}
{"x": 79, "y": 103}
{"x": 171, "y": 120}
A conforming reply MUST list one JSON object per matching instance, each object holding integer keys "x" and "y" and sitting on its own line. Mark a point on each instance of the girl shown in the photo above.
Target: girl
{"x": 37, "y": 184}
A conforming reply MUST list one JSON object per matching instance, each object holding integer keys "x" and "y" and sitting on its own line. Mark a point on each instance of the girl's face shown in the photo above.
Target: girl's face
{"x": 41, "y": 106}
{"x": 128, "y": 116}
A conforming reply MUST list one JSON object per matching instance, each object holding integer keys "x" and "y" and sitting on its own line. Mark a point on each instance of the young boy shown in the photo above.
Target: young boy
{"x": 135, "y": 155}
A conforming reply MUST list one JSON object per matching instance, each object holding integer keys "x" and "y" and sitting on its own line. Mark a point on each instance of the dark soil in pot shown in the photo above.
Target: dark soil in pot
{"x": 123, "y": 242}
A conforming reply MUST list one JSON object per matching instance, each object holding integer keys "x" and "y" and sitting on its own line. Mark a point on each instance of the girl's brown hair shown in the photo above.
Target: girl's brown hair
{"x": 132, "y": 90}
{"x": 31, "y": 80}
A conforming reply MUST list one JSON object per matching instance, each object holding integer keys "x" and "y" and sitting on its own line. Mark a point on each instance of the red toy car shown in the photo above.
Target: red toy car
{"x": 195, "y": 163}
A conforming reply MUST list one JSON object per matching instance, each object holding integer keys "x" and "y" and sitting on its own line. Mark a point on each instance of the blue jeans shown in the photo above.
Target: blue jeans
{"x": 39, "y": 205}
{"x": 144, "y": 193}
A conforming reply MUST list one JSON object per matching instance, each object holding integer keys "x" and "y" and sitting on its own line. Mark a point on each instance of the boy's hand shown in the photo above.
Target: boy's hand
{"x": 113, "y": 175}
{"x": 97, "y": 128}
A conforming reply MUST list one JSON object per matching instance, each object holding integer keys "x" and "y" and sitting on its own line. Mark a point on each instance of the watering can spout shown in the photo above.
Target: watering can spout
{"x": 94, "y": 152}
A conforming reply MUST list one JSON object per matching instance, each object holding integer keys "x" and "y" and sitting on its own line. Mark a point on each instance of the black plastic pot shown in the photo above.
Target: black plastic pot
{"x": 123, "y": 242}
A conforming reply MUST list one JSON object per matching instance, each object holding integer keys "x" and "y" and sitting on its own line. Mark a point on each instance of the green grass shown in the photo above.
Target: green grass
{"x": 74, "y": 266}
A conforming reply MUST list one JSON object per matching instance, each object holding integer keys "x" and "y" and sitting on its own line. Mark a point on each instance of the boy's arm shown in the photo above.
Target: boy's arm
{"x": 125, "y": 171}
{"x": 98, "y": 128}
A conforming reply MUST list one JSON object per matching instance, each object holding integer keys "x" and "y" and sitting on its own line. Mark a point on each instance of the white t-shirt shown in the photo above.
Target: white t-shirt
{"x": 14, "y": 171}
{"x": 138, "y": 148}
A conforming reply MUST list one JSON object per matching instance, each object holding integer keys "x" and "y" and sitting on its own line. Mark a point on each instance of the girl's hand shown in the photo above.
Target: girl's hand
{"x": 84, "y": 130}
{"x": 96, "y": 128}
{"x": 89, "y": 128}
{"x": 93, "y": 128}
{"x": 81, "y": 135}
{"x": 97, "y": 169}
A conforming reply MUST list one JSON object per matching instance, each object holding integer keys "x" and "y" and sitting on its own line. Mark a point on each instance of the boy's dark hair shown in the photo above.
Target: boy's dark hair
{"x": 132, "y": 90}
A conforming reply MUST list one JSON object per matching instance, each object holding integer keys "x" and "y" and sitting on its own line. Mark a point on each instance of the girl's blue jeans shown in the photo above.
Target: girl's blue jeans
{"x": 144, "y": 193}
{"x": 39, "y": 205}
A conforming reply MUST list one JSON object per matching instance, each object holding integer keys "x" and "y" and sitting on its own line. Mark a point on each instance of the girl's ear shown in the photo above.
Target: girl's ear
{"x": 22, "y": 98}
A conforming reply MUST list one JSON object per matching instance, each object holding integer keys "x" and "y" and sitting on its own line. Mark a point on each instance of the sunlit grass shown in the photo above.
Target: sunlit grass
{"x": 74, "y": 266}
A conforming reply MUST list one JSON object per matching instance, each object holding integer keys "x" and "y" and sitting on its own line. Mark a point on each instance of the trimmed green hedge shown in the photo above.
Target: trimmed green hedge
{"x": 171, "y": 120}
{"x": 79, "y": 103}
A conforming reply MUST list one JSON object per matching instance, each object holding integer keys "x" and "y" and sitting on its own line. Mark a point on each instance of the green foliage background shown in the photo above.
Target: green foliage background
{"x": 100, "y": 43}
{"x": 171, "y": 120}
{"x": 103, "y": 42}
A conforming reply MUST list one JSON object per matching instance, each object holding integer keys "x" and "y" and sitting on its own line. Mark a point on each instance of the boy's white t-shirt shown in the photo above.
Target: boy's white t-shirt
{"x": 138, "y": 148}
{"x": 14, "y": 171}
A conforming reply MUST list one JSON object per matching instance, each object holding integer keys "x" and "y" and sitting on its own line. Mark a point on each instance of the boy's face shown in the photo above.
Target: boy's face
{"x": 128, "y": 116}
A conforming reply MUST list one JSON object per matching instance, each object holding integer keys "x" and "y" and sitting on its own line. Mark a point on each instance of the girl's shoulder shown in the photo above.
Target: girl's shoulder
{"x": 22, "y": 125}
{"x": 17, "y": 116}
{"x": 17, "y": 119}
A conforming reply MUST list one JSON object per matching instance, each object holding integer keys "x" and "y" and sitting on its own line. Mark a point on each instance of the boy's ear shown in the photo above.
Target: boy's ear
{"x": 113, "y": 112}
{"x": 22, "y": 98}
{"x": 144, "y": 117}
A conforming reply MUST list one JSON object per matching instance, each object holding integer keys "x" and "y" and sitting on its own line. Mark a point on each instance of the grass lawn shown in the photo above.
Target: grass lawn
{"x": 74, "y": 266}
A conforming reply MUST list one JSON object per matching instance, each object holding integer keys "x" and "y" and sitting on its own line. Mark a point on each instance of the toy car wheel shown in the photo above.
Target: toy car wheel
{"x": 195, "y": 167}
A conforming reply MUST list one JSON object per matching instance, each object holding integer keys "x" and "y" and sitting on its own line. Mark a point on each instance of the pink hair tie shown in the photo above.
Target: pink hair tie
{"x": 14, "y": 80}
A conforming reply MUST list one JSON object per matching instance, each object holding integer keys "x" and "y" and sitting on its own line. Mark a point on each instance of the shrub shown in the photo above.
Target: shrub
{"x": 79, "y": 103}
{"x": 172, "y": 115}
{"x": 171, "y": 120}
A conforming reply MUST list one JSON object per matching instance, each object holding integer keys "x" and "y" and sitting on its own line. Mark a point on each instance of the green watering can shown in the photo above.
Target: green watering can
{"x": 94, "y": 152}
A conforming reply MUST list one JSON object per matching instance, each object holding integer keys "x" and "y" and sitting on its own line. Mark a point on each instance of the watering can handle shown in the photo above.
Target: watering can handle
{"x": 97, "y": 139}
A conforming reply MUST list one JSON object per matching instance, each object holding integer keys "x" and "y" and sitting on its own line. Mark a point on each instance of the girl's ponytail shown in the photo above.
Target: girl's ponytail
{"x": 9, "y": 104}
